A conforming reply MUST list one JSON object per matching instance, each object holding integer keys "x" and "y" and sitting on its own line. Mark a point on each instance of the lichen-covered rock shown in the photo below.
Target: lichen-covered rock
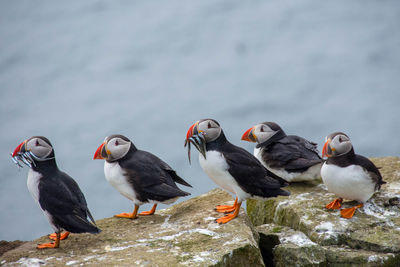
{"x": 289, "y": 247}
{"x": 339, "y": 256}
{"x": 371, "y": 237}
{"x": 182, "y": 235}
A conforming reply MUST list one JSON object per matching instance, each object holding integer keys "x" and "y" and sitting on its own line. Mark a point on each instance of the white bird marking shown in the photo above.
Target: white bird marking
{"x": 351, "y": 182}
{"x": 216, "y": 167}
{"x": 116, "y": 177}
{"x": 33, "y": 187}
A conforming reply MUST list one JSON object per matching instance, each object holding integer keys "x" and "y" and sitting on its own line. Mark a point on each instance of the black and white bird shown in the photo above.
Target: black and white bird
{"x": 289, "y": 156}
{"x": 231, "y": 167}
{"x": 57, "y": 194}
{"x": 348, "y": 175}
{"x": 138, "y": 175}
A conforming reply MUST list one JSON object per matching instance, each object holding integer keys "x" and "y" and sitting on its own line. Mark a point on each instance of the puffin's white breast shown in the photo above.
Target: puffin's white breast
{"x": 33, "y": 184}
{"x": 33, "y": 187}
{"x": 216, "y": 167}
{"x": 115, "y": 176}
{"x": 351, "y": 182}
{"x": 310, "y": 174}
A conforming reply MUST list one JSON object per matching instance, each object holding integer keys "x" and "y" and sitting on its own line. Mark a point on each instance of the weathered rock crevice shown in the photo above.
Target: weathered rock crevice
{"x": 267, "y": 244}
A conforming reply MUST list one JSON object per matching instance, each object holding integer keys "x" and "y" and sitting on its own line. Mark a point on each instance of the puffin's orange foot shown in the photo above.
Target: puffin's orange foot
{"x": 334, "y": 205}
{"x": 349, "y": 212}
{"x": 145, "y": 213}
{"x": 48, "y": 245}
{"x": 63, "y": 236}
{"x": 150, "y": 212}
{"x": 126, "y": 215}
{"x": 224, "y": 208}
{"x": 226, "y": 218}
{"x": 232, "y": 216}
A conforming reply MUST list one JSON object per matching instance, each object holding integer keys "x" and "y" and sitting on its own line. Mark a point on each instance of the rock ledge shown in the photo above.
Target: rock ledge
{"x": 182, "y": 235}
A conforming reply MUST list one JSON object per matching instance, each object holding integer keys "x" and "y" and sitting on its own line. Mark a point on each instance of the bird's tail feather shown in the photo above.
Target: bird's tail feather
{"x": 76, "y": 224}
{"x": 178, "y": 179}
{"x": 91, "y": 217}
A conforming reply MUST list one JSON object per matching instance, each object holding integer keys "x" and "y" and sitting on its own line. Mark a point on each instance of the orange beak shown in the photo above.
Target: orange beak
{"x": 191, "y": 130}
{"x": 97, "y": 154}
{"x": 249, "y": 136}
{"x": 326, "y": 149}
{"x": 18, "y": 148}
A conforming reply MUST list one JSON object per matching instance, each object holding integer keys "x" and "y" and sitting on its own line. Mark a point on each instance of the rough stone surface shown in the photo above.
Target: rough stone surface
{"x": 182, "y": 235}
{"x": 371, "y": 237}
{"x": 9, "y": 245}
{"x": 290, "y": 247}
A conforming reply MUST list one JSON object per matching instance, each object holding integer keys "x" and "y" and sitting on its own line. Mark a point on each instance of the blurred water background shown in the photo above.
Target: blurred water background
{"x": 77, "y": 71}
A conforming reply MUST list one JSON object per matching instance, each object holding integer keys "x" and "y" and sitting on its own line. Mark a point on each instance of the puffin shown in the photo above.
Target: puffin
{"x": 348, "y": 175}
{"x": 231, "y": 167}
{"x": 138, "y": 175}
{"x": 291, "y": 157}
{"x": 56, "y": 193}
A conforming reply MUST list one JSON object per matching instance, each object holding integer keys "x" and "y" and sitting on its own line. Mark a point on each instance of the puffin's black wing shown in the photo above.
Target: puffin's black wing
{"x": 292, "y": 153}
{"x": 148, "y": 176}
{"x": 81, "y": 198}
{"x": 372, "y": 170}
{"x": 167, "y": 168}
{"x": 251, "y": 175}
{"x": 61, "y": 196}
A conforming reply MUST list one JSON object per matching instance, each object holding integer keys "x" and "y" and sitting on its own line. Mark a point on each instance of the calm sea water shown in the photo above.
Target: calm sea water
{"x": 77, "y": 71}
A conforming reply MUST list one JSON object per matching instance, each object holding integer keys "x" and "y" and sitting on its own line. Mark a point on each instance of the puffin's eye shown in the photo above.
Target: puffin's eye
{"x": 37, "y": 143}
{"x": 262, "y": 129}
{"x": 340, "y": 139}
{"x": 116, "y": 142}
{"x": 209, "y": 125}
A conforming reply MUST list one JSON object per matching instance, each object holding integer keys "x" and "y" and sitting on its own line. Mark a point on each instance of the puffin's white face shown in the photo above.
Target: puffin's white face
{"x": 340, "y": 144}
{"x": 117, "y": 148}
{"x": 336, "y": 144}
{"x": 38, "y": 147}
{"x": 33, "y": 150}
{"x": 262, "y": 133}
{"x": 210, "y": 129}
{"x": 201, "y": 133}
{"x": 113, "y": 148}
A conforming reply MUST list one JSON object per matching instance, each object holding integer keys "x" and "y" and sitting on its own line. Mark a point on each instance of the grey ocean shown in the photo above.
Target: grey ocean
{"x": 77, "y": 71}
